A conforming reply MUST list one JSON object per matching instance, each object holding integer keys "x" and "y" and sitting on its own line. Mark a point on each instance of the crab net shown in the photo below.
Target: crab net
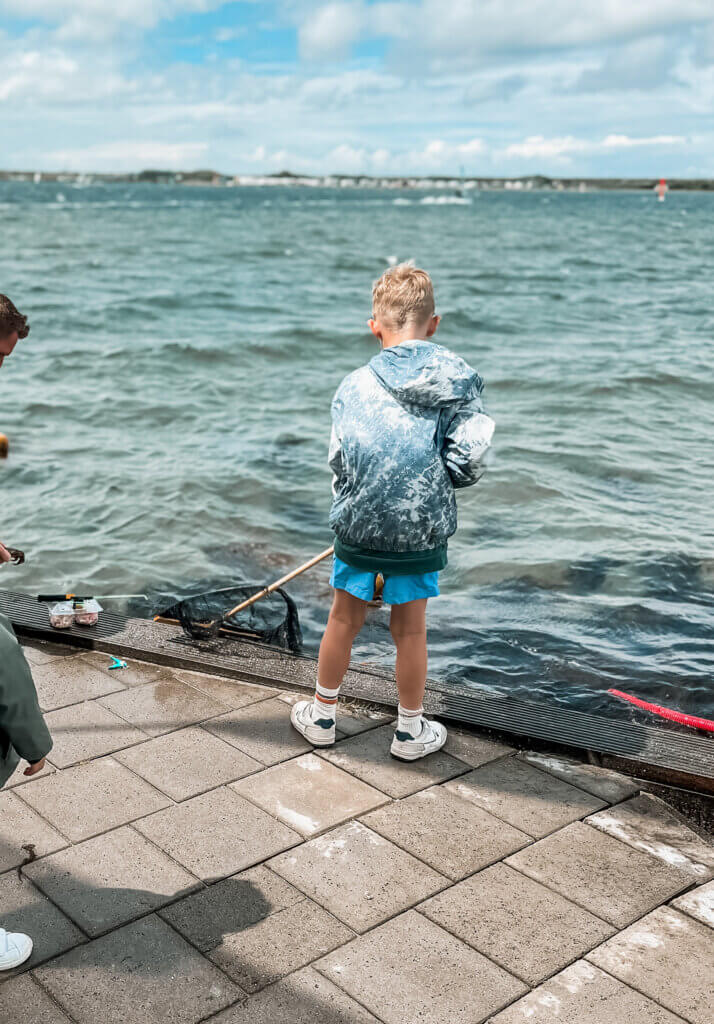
{"x": 272, "y": 620}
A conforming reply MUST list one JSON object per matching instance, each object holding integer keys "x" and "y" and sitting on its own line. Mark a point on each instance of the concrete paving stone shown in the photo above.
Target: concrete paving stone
{"x": 136, "y": 673}
{"x": 217, "y": 834}
{"x": 601, "y": 874}
{"x": 232, "y": 692}
{"x": 23, "y": 908}
{"x": 230, "y": 906}
{"x": 109, "y": 880}
{"x": 22, "y": 1001}
{"x": 409, "y": 969}
{"x": 529, "y": 930}
{"x": 368, "y": 758}
{"x": 531, "y": 800}
{"x": 304, "y": 997}
{"x": 359, "y": 876}
{"x": 163, "y": 706}
{"x": 88, "y": 730}
{"x": 353, "y": 720}
{"x": 188, "y": 762}
{"x": 610, "y": 786}
{"x": 698, "y": 903}
{"x": 42, "y": 654}
{"x": 582, "y": 994}
{"x": 18, "y": 778}
{"x": 66, "y": 681}
{"x": 92, "y": 798}
{"x": 648, "y": 824}
{"x": 262, "y": 731}
{"x": 24, "y": 833}
{"x": 474, "y": 748}
{"x": 143, "y": 973}
{"x": 309, "y": 794}
{"x": 452, "y": 835}
{"x": 279, "y": 944}
{"x": 668, "y": 957}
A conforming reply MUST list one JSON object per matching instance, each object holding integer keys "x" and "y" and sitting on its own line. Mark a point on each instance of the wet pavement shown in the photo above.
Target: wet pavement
{"x": 187, "y": 857}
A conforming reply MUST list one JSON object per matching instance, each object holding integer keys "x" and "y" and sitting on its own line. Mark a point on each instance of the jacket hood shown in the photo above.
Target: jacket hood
{"x": 422, "y": 373}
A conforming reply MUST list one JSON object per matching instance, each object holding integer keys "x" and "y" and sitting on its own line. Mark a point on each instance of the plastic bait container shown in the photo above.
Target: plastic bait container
{"x": 61, "y": 615}
{"x": 86, "y": 613}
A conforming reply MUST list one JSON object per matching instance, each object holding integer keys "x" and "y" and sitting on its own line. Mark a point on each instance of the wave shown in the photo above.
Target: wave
{"x": 445, "y": 201}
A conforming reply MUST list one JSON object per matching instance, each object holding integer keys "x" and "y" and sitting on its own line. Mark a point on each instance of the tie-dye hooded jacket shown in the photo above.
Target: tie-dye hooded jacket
{"x": 407, "y": 429}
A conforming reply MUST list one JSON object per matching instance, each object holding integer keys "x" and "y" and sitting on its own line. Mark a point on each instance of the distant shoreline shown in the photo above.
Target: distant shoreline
{"x": 209, "y": 178}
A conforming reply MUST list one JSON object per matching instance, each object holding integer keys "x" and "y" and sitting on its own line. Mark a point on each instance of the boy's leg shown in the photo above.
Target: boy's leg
{"x": 315, "y": 719}
{"x": 415, "y": 736}
{"x": 407, "y": 624}
{"x": 346, "y": 619}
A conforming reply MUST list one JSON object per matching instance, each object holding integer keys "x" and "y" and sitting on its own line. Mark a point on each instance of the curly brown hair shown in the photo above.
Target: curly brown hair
{"x": 11, "y": 319}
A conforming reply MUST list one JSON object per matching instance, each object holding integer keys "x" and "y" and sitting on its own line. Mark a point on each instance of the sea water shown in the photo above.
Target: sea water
{"x": 169, "y": 413}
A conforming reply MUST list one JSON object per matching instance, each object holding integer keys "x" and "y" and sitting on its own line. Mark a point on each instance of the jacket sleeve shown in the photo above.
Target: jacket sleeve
{"x": 21, "y": 720}
{"x": 335, "y": 459}
{"x": 466, "y": 443}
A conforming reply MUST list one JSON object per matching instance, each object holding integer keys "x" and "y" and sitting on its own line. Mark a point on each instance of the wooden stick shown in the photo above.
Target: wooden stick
{"x": 279, "y": 583}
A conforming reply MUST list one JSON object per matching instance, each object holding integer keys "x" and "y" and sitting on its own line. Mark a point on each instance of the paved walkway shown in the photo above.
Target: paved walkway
{"x": 187, "y": 858}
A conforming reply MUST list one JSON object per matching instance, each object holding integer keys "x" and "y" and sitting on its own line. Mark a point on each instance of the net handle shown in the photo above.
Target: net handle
{"x": 279, "y": 583}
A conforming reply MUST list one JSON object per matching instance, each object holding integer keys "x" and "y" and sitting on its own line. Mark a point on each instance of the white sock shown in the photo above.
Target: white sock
{"x": 409, "y": 721}
{"x": 325, "y": 702}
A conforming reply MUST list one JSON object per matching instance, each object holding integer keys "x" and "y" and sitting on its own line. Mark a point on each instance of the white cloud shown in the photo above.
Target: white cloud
{"x": 331, "y": 30}
{"x": 52, "y": 76}
{"x": 99, "y": 19}
{"x": 438, "y": 155}
{"x": 465, "y": 29}
{"x": 464, "y": 84}
{"x": 229, "y": 35}
{"x": 625, "y": 142}
{"x": 129, "y": 156}
{"x": 640, "y": 64}
{"x": 538, "y": 147}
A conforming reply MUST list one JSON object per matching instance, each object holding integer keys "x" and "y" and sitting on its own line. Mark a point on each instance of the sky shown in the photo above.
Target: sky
{"x": 479, "y": 87}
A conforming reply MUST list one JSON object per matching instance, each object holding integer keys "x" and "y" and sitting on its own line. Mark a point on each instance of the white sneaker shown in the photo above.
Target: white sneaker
{"x": 410, "y": 748}
{"x": 15, "y": 948}
{"x": 318, "y": 731}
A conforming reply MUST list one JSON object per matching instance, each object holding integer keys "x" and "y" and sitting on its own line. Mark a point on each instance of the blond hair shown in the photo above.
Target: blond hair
{"x": 403, "y": 296}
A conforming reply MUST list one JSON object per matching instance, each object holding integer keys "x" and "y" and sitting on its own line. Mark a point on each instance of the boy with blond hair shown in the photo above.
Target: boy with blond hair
{"x": 408, "y": 429}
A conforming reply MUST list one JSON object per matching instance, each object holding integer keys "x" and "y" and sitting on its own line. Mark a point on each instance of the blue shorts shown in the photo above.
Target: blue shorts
{"x": 397, "y": 589}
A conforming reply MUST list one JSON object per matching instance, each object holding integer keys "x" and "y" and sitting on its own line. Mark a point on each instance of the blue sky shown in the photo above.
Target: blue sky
{"x": 392, "y": 87}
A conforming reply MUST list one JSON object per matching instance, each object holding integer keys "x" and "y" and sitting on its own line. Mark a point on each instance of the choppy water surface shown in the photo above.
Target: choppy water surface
{"x": 169, "y": 413}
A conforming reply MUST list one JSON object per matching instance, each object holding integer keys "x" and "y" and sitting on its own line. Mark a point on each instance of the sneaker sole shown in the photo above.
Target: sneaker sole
{"x": 401, "y": 755}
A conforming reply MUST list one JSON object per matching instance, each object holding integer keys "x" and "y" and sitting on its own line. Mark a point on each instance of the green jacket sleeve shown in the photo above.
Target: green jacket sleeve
{"x": 21, "y": 721}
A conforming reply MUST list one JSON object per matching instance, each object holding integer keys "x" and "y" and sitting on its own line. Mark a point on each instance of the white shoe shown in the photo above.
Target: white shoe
{"x": 15, "y": 948}
{"x": 318, "y": 731}
{"x": 410, "y": 748}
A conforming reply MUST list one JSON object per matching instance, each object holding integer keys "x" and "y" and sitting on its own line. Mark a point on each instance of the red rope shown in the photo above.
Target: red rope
{"x": 673, "y": 716}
